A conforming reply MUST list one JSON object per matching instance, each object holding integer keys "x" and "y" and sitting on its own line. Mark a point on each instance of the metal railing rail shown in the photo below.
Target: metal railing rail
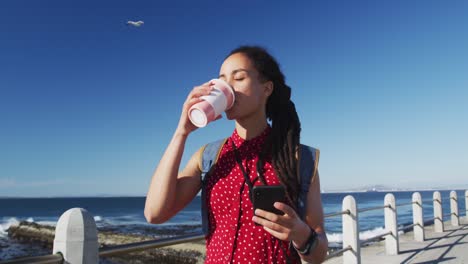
{"x": 47, "y": 259}
{"x": 407, "y": 227}
{"x": 381, "y": 236}
{"x": 337, "y": 252}
{"x": 429, "y": 219}
{"x": 377, "y": 237}
{"x": 150, "y": 244}
{"x": 427, "y": 201}
{"x": 347, "y": 212}
{"x": 372, "y": 208}
{"x": 447, "y": 215}
{"x": 405, "y": 204}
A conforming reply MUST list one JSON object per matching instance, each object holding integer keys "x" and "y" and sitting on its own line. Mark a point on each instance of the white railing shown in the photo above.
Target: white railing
{"x": 351, "y": 242}
{"x": 76, "y": 233}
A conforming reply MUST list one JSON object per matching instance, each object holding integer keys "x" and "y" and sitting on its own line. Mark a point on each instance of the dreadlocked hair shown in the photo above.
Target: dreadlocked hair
{"x": 283, "y": 141}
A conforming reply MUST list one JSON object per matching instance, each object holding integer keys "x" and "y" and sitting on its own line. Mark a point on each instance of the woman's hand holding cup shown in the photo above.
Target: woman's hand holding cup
{"x": 220, "y": 99}
{"x": 185, "y": 126}
{"x": 204, "y": 104}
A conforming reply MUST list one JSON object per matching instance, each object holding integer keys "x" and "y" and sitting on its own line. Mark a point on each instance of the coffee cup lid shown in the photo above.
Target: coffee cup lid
{"x": 197, "y": 117}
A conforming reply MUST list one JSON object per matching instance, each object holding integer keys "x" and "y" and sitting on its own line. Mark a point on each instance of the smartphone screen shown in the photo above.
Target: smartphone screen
{"x": 265, "y": 196}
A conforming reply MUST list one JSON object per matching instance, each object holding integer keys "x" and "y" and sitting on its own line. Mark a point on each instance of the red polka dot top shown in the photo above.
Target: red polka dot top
{"x": 233, "y": 236}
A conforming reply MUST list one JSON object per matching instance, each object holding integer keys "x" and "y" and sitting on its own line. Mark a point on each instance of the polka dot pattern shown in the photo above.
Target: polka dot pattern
{"x": 233, "y": 236}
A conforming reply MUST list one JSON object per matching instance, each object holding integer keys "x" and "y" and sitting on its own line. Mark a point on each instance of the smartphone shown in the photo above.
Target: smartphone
{"x": 264, "y": 196}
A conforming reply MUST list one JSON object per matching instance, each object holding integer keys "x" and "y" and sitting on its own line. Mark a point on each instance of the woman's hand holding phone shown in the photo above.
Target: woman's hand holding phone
{"x": 264, "y": 196}
{"x": 287, "y": 227}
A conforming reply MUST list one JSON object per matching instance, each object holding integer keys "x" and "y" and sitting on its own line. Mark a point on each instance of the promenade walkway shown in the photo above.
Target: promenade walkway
{"x": 448, "y": 247}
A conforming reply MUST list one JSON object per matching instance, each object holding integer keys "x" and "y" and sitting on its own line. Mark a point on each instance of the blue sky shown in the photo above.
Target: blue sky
{"x": 88, "y": 104}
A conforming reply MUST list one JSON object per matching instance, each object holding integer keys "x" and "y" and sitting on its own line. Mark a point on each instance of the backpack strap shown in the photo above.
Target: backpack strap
{"x": 209, "y": 156}
{"x": 308, "y": 167}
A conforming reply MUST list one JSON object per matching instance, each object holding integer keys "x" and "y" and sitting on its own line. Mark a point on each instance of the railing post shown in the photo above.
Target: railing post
{"x": 418, "y": 218}
{"x": 391, "y": 240}
{"x": 454, "y": 208}
{"x": 351, "y": 232}
{"x": 438, "y": 214}
{"x": 466, "y": 205}
{"x": 76, "y": 237}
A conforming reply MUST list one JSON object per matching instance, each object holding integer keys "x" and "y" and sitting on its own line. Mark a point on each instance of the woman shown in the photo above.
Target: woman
{"x": 236, "y": 233}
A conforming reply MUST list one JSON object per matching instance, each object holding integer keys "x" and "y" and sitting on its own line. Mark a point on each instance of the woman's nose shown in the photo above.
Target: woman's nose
{"x": 231, "y": 84}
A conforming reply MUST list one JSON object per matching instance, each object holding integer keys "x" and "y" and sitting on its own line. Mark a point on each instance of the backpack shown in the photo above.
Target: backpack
{"x": 308, "y": 163}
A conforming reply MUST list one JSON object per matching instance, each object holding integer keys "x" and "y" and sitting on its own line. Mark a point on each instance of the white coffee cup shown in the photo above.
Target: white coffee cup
{"x": 220, "y": 99}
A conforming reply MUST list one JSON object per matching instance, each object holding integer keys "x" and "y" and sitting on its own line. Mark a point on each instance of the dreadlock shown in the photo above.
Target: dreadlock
{"x": 283, "y": 141}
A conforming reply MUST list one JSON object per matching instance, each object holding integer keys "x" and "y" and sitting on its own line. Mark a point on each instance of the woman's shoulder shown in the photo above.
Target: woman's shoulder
{"x": 209, "y": 153}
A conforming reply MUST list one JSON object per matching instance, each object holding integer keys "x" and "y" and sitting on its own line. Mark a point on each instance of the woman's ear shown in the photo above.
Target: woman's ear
{"x": 268, "y": 88}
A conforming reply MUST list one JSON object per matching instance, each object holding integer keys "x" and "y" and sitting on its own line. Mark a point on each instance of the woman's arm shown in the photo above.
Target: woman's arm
{"x": 169, "y": 190}
{"x": 314, "y": 219}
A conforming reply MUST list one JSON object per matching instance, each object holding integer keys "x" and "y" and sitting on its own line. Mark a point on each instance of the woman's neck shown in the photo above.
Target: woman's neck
{"x": 250, "y": 128}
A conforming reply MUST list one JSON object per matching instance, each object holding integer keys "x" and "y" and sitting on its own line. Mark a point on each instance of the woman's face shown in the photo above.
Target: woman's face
{"x": 251, "y": 93}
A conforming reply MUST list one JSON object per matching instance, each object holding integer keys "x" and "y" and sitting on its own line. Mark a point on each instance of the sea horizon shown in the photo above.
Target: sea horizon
{"x": 333, "y": 191}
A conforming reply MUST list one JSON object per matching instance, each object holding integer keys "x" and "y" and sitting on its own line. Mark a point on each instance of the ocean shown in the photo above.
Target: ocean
{"x": 125, "y": 215}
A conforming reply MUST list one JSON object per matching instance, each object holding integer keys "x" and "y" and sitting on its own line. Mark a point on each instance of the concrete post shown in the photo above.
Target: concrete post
{"x": 466, "y": 205}
{"x": 351, "y": 232}
{"x": 391, "y": 240}
{"x": 438, "y": 214}
{"x": 76, "y": 237}
{"x": 454, "y": 209}
{"x": 418, "y": 217}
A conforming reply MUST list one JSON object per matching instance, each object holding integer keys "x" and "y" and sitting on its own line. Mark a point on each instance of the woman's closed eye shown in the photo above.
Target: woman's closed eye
{"x": 239, "y": 78}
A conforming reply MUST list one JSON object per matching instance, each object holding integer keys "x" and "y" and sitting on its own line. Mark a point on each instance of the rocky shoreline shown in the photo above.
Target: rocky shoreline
{"x": 43, "y": 236}
{"x": 37, "y": 239}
